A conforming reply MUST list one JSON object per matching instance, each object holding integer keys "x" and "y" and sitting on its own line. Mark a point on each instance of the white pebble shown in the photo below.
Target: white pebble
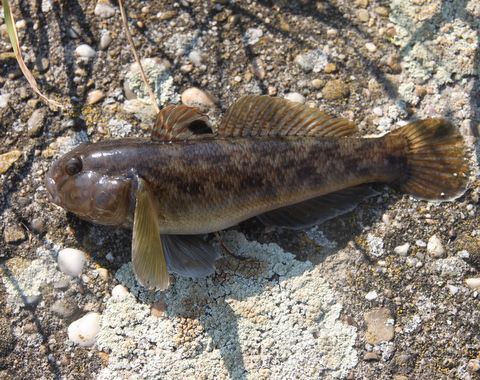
{"x": 194, "y": 97}
{"x": 104, "y": 10}
{"x": 85, "y": 51}
{"x": 253, "y": 35}
{"x": 435, "y": 247}
{"x": 473, "y": 283}
{"x": 84, "y": 330}
{"x": 370, "y": 296}
{"x": 119, "y": 292}
{"x": 4, "y": 100}
{"x": 71, "y": 261}
{"x": 402, "y": 250}
{"x": 295, "y": 97}
{"x": 371, "y": 47}
{"x": 420, "y": 243}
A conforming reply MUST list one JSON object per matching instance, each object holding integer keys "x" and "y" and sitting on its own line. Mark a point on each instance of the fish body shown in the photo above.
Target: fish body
{"x": 289, "y": 165}
{"x": 207, "y": 185}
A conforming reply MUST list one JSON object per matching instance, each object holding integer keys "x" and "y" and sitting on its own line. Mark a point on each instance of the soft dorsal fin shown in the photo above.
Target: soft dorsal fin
{"x": 179, "y": 122}
{"x": 254, "y": 115}
{"x": 317, "y": 210}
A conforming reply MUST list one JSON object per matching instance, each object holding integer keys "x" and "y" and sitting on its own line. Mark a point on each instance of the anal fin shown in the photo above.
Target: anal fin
{"x": 317, "y": 210}
{"x": 189, "y": 255}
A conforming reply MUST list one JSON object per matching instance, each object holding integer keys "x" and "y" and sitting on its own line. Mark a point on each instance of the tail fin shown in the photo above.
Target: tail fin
{"x": 437, "y": 165}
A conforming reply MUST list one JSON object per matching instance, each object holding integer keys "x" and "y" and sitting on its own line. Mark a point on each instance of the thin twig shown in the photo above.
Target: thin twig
{"x": 137, "y": 59}
{"x": 13, "y": 36}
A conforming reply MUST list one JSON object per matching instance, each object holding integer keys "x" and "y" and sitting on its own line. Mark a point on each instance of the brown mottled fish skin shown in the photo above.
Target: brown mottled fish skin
{"x": 209, "y": 184}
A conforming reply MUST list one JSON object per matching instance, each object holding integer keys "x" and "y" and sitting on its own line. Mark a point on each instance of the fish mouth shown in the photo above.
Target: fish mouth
{"x": 52, "y": 190}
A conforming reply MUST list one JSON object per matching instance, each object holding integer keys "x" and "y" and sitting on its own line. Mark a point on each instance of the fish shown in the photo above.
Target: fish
{"x": 289, "y": 165}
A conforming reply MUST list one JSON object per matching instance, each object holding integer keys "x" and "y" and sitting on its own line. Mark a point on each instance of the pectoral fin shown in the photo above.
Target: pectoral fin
{"x": 189, "y": 255}
{"x": 317, "y": 210}
{"x": 148, "y": 256}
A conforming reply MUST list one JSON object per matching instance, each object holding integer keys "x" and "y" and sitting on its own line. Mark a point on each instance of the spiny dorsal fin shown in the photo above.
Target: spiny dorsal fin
{"x": 179, "y": 122}
{"x": 254, "y": 115}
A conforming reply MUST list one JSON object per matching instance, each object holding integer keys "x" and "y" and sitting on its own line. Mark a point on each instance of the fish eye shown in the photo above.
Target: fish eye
{"x": 73, "y": 166}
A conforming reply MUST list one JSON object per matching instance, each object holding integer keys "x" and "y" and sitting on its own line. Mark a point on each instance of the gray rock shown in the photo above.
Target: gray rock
{"x": 64, "y": 309}
{"x": 450, "y": 267}
{"x": 36, "y": 122}
{"x": 14, "y": 234}
{"x": 7, "y": 339}
{"x": 380, "y": 326}
{"x": 313, "y": 60}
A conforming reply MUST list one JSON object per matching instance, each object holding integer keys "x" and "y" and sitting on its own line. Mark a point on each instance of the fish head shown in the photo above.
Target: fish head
{"x": 86, "y": 187}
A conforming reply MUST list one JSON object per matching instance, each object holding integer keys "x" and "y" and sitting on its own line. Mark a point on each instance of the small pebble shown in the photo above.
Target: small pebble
{"x": 335, "y": 89}
{"x": 85, "y": 51}
{"x": 452, "y": 289}
{"x": 382, "y": 11}
{"x": 8, "y": 159}
{"x": 371, "y": 47}
{"x": 195, "y": 57}
{"x": 370, "y": 296}
{"x": 473, "y": 283}
{"x": 14, "y": 234}
{"x": 194, "y": 97}
{"x": 103, "y": 273}
{"x": 371, "y": 356}
{"x": 71, "y": 261}
{"x": 119, "y": 292}
{"x": 95, "y": 96}
{"x": 104, "y": 10}
{"x": 318, "y": 84}
{"x": 158, "y": 308}
{"x": 272, "y": 91}
{"x": 435, "y": 247}
{"x": 84, "y": 330}
{"x": 420, "y": 243}
{"x": 330, "y": 68}
{"x": 402, "y": 250}
{"x": 362, "y": 15}
{"x": 105, "y": 40}
{"x": 36, "y": 122}
{"x": 63, "y": 309}
{"x": 295, "y": 97}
